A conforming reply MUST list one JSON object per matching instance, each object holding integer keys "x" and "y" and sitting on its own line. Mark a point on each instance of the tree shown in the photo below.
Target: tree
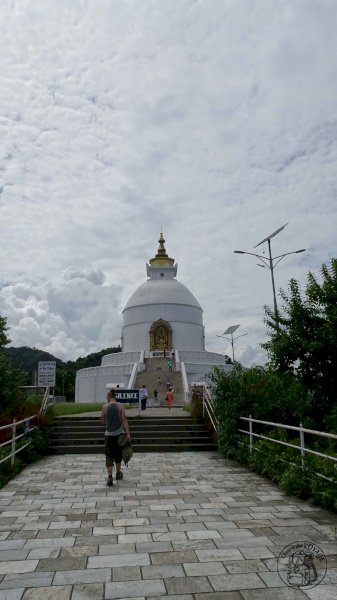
{"x": 304, "y": 339}
{"x": 10, "y": 378}
{"x": 4, "y": 340}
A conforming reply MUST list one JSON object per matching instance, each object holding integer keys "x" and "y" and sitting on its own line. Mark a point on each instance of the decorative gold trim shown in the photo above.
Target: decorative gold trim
{"x": 160, "y": 335}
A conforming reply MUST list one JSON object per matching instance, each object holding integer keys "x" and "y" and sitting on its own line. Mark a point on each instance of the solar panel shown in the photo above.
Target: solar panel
{"x": 231, "y": 329}
{"x": 271, "y": 235}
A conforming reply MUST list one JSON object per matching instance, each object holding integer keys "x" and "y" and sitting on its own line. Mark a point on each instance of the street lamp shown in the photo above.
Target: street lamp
{"x": 271, "y": 262}
{"x": 229, "y": 331}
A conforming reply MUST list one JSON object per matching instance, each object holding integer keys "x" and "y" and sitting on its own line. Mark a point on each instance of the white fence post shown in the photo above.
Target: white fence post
{"x": 250, "y": 434}
{"x": 302, "y": 446}
{"x": 13, "y": 441}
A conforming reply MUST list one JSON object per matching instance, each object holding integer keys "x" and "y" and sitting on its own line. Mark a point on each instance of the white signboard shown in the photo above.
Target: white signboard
{"x": 46, "y": 373}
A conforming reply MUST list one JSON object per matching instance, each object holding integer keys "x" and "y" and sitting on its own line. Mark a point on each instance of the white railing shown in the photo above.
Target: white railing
{"x": 142, "y": 361}
{"x": 119, "y": 358}
{"x": 207, "y": 402}
{"x": 133, "y": 376}
{"x": 208, "y": 407}
{"x": 302, "y": 447}
{"x": 185, "y": 382}
{"x": 45, "y": 400}
{"x": 105, "y": 370}
{"x": 14, "y": 437}
{"x": 194, "y": 356}
{"x": 25, "y": 423}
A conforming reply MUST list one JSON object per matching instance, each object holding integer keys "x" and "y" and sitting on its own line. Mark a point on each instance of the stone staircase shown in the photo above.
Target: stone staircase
{"x": 157, "y": 367}
{"x": 85, "y": 435}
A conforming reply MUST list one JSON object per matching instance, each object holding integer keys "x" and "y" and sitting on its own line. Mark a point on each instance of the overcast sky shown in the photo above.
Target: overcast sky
{"x": 213, "y": 119}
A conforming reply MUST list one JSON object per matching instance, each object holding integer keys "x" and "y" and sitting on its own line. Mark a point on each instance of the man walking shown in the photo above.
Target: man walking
{"x": 114, "y": 418}
{"x": 143, "y": 397}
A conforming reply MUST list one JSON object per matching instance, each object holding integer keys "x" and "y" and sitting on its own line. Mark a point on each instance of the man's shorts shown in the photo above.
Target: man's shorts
{"x": 113, "y": 452}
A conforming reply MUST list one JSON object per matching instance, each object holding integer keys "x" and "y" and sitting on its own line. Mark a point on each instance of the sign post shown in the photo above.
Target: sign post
{"x": 46, "y": 373}
{"x": 128, "y": 397}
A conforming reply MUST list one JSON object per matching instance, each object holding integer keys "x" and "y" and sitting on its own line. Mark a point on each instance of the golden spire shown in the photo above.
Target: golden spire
{"x": 161, "y": 257}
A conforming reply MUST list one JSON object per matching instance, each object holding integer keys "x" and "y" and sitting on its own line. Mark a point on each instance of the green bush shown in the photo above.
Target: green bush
{"x": 8, "y": 472}
{"x": 32, "y": 403}
{"x": 259, "y": 392}
{"x": 331, "y": 421}
{"x": 270, "y": 396}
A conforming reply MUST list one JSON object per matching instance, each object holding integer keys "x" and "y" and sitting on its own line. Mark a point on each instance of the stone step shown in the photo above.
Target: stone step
{"x": 133, "y": 421}
{"x": 155, "y": 368}
{"x": 99, "y": 430}
{"x": 152, "y": 437}
{"x": 158, "y": 434}
{"x": 147, "y": 436}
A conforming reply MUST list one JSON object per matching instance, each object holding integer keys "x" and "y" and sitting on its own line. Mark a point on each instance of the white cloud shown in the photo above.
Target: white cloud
{"x": 215, "y": 120}
{"x": 68, "y": 316}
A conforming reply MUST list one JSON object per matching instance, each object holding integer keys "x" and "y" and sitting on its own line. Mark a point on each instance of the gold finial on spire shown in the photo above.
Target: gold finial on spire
{"x": 161, "y": 257}
{"x": 161, "y": 250}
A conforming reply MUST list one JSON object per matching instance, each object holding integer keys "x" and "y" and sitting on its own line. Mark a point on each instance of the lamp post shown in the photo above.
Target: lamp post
{"x": 271, "y": 262}
{"x": 229, "y": 331}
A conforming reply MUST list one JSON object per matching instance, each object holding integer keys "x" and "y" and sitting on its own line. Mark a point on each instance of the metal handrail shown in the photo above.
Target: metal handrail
{"x": 302, "y": 430}
{"x": 185, "y": 381}
{"x": 17, "y": 423}
{"x": 208, "y": 407}
{"x": 13, "y": 426}
{"x": 45, "y": 401}
{"x": 133, "y": 375}
{"x": 292, "y": 427}
{"x": 27, "y": 429}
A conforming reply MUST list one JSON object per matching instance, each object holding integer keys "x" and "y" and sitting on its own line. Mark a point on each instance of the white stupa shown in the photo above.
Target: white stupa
{"x": 162, "y": 312}
{"x": 161, "y": 315}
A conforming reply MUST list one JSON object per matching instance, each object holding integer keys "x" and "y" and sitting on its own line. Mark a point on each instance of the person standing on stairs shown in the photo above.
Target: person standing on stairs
{"x": 143, "y": 397}
{"x": 114, "y": 418}
{"x": 169, "y": 398}
{"x": 155, "y": 395}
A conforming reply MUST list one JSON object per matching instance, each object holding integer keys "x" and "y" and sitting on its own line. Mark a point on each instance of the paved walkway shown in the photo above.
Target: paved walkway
{"x": 187, "y": 526}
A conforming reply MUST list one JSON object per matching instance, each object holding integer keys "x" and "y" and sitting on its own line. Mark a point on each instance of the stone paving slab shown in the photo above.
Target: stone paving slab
{"x": 180, "y": 526}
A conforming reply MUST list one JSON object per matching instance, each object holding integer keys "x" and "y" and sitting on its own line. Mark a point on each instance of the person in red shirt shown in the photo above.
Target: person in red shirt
{"x": 169, "y": 398}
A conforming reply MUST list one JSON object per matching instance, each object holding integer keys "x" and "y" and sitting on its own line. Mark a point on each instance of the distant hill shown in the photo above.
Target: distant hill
{"x": 92, "y": 360}
{"x": 27, "y": 359}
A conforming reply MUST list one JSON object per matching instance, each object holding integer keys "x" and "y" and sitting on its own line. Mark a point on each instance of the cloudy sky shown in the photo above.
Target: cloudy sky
{"x": 213, "y": 119}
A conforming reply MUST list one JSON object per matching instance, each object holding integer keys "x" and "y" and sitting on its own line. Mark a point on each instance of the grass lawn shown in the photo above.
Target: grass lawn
{"x": 70, "y": 408}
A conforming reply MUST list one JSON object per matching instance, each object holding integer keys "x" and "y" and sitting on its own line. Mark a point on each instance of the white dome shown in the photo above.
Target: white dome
{"x": 167, "y": 291}
{"x": 162, "y": 299}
